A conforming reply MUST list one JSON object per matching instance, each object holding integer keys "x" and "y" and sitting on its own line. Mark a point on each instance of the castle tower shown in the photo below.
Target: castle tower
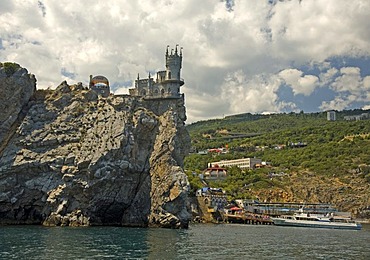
{"x": 167, "y": 83}
{"x": 173, "y": 64}
{"x": 170, "y": 79}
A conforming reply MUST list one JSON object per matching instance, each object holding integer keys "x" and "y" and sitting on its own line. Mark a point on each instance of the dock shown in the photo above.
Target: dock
{"x": 251, "y": 219}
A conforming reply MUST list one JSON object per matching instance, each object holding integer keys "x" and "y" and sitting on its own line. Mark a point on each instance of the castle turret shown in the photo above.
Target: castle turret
{"x": 172, "y": 81}
{"x": 173, "y": 64}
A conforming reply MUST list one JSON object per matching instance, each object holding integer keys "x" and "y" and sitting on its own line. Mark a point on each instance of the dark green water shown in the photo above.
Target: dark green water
{"x": 198, "y": 242}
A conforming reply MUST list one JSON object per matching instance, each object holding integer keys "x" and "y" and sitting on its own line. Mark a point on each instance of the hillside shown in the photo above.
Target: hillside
{"x": 312, "y": 159}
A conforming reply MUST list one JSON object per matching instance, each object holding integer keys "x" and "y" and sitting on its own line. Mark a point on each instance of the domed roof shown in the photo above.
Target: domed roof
{"x": 99, "y": 79}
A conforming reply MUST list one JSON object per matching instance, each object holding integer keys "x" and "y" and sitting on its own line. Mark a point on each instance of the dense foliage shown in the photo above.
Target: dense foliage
{"x": 328, "y": 147}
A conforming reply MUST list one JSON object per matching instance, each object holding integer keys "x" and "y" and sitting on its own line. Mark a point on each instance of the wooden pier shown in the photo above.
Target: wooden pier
{"x": 251, "y": 219}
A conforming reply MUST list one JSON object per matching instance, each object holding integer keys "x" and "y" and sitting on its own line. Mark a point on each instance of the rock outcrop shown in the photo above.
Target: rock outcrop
{"x": 78, "y": 159}
{"x": 17, "y": 86}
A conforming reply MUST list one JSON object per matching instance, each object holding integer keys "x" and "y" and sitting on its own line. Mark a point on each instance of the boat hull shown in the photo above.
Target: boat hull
{"x": 316, "y": 224}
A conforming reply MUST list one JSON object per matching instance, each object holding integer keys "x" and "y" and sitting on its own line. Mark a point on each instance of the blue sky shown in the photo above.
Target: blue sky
{"x": 239, "y": 56}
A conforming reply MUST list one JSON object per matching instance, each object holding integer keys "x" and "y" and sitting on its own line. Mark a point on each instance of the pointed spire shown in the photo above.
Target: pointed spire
{"x": 167, "y": 50}
{"x": 181, "y": 51}
{"x": 138, "y": 76}
{"x": 176, "y": 49}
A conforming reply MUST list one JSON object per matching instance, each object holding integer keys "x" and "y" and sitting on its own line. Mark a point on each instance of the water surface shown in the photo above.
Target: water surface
{"x": 200, "y": 241}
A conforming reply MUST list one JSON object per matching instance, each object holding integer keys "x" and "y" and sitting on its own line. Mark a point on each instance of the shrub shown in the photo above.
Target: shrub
{"x": 10, "y": 68}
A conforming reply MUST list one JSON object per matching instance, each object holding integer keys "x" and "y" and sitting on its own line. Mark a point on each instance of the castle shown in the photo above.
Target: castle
{"x": 167, "y": 83}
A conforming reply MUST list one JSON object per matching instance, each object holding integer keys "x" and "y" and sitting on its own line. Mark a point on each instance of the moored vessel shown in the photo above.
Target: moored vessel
{"x": 301, "y": 219}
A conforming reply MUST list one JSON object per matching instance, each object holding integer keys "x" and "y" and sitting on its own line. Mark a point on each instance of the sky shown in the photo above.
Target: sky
{"x": 239, "y": 56}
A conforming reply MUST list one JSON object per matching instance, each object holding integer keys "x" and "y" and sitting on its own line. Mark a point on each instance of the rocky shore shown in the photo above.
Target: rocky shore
{"x": 69, "y": 157}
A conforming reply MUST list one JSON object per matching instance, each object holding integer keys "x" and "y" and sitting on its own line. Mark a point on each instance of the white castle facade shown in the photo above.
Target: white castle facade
{"x": 166, "y": 84}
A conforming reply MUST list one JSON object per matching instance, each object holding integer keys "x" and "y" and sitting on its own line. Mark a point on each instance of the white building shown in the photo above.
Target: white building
{"x": 363, "y": 116}
{"x": 331, "y": 116}
{"x": 244, "y": 163}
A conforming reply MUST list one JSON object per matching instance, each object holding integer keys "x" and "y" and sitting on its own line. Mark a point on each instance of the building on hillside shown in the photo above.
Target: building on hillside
{"x": 100, "y": 85}
{"x": 297, "y": 145}
{"x": 263, "y": 165}
{"x": 279, "y": 208}
{"x": 218, "y": 150}
{"x": 167, "y": 82}
{"x": 244, "y": 163}
{"x": 205, "y": 191}
{"x": 363, "y": 116}
{"x": 214, "y": 173}
{"x": 331, "y": 115}
{"x": 213, "y": 198}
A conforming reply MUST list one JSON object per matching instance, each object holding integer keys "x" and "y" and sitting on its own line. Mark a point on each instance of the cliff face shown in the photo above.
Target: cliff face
{"x": 79, "y": 159}
{"x": 16, "y": 88}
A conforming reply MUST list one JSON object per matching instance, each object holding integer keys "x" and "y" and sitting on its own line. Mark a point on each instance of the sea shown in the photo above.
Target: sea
{"x": 200, "y": 241}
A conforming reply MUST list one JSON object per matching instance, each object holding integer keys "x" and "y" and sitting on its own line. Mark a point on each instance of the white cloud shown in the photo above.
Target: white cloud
{"x": 300, "y": 84}
{"x": 255, "y": 95}
{"x": 315, "y": 30}
{"x": 328, "y": 76}
{"x": 121, "y": 91}
{"x": 349, "y": 80}
{"x": 350, "y": 88}
{"x": 366, "y": 82}
{"x": 253, "y": 46}
{"x": 338, "y": 103}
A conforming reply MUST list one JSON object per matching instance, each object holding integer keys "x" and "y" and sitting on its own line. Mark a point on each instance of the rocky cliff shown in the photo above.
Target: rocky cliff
{"x": 74, "y": 158}
{"x": 16, "y": 88}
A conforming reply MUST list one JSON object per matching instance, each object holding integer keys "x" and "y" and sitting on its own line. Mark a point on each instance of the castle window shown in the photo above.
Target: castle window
{"x": 143, "y": 92}
{"x": 162, "y": 92}
{"x": 156, "y": 92}
{"x": 169, "y": 75}
{"x": 169, "y": 90}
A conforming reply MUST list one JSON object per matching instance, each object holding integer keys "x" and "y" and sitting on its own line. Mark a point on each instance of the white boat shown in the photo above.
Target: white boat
{"x": 301, "y": 219}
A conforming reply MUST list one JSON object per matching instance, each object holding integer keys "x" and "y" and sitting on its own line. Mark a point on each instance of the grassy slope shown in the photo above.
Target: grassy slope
{"x": 333, "y": 167}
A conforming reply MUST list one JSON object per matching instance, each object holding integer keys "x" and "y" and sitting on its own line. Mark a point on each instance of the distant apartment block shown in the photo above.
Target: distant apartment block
{"x": 363, "y": 116}
{"x": 244, "y": 163}
{"x": 331, "y": 116}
